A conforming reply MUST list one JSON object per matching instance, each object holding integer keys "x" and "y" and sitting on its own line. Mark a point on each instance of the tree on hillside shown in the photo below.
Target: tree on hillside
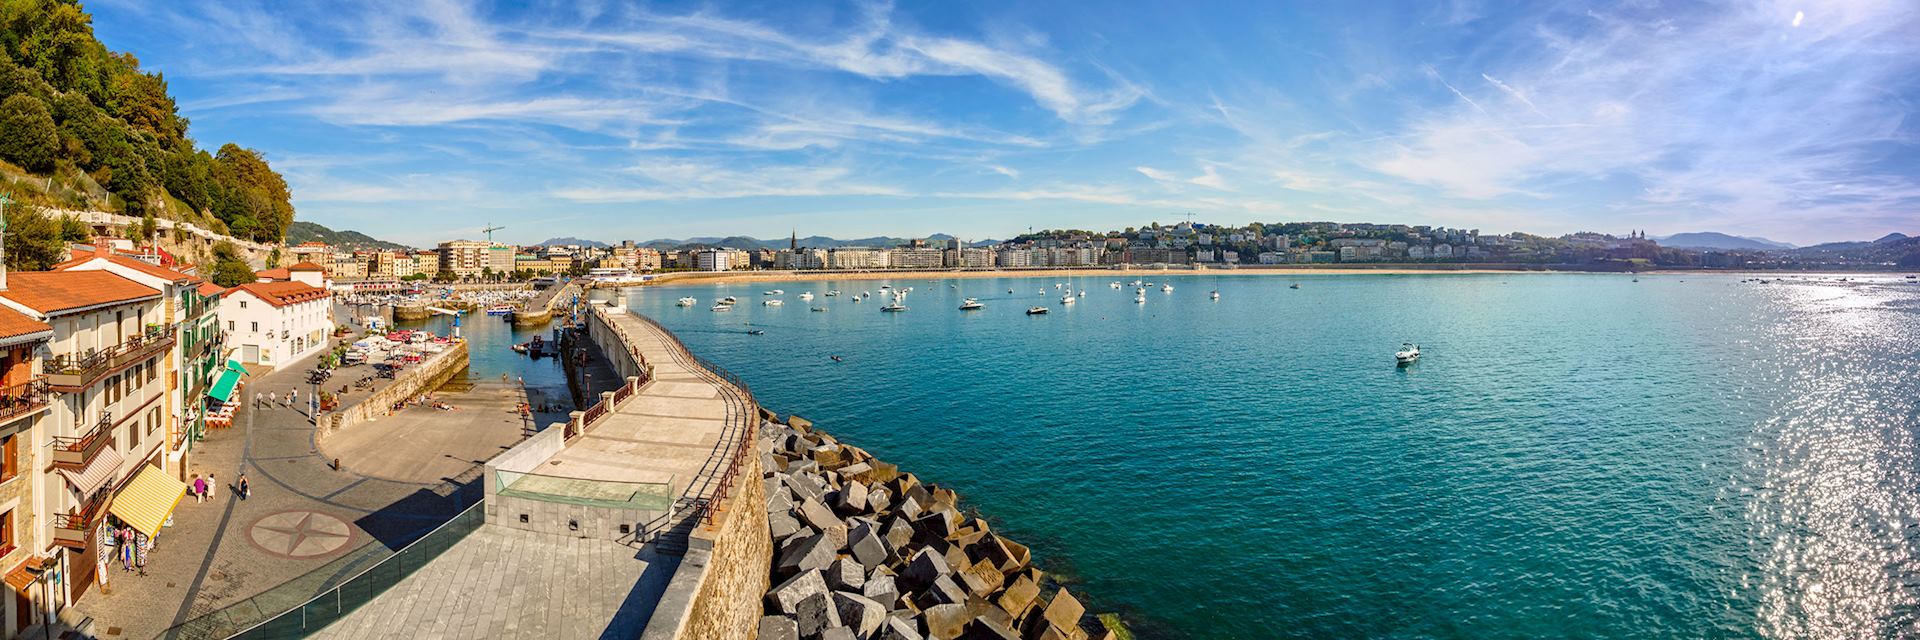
{"x": 73, "y": 230}
{"x": 28, "y": 136}
{"x": 229, "y": 269}
{"x": 33, "y": 240}
{"x": 147, "y": 229}
{"x": 273, "y": 258}
{"x": 266, "y": 198}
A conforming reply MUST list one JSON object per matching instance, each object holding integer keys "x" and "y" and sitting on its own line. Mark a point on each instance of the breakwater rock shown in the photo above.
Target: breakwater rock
{"x": 864, "y": 551}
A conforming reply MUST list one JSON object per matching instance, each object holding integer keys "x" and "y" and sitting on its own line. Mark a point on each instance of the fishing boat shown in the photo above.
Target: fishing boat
{"x": 1037, "y": 311}
{"x": 772, "y": 303}
{"x": 806, "y": 295}
{"x": 687, "y": 302}
{"x": 971, "y": 304}
{"x": 756, "y": 332}
{"x": 1408, "y": 353}
{"x": 499, "y": 310}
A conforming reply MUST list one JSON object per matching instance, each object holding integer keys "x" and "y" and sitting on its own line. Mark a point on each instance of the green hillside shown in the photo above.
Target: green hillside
{"x": 303, "y": 231}
{"x": 83, "y": 127}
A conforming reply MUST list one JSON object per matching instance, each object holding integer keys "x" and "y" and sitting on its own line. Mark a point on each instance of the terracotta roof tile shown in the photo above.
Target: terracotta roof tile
{"x": 131, "y": 263}
{"x": 211, "y": 289}
{"x": 306, "y": 266}
{"x": 50, "y": 292}
{"x": 13, "y": 324}
{"x": 274, "y": 274}
{"x": 281, "y": 294}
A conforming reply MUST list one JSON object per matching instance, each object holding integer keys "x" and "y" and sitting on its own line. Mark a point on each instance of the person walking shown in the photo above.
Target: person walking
{"x": 199, "y": 488}
{"x": 273, "y": 398}
{"x": 293, "y": 397}
{"x": 241, "y": 486}
{"x": 212, "y": 486}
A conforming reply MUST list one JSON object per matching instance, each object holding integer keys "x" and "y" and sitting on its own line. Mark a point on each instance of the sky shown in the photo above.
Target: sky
{"x": 426, "y": 120}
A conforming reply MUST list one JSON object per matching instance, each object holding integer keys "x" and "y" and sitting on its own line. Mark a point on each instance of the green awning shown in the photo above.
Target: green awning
{"x": 234, "y": 365}
{"x": 223, "y": 386}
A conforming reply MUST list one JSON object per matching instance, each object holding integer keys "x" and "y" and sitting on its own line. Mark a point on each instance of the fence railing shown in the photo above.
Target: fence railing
{"x": 270, "y": 615}
{"x": 743, "y": 414}
{"x": 610, "y": 494}
{"x": 23, "y": 397}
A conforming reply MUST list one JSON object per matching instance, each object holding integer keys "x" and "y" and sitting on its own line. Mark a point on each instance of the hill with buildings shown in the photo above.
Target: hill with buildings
{"x": 1716, "y": 240}
{"x": 570, "y": 241}
{"x": 85, "y": 128}
{"x": 303, "y": 231}
{"x": 814, "y": 242}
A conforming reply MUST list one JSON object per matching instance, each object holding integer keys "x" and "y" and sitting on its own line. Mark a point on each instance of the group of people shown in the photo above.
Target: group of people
{"x": 202, "y": 489}
{"x": 131, "y": 546}
{"x": 274, "y": 398}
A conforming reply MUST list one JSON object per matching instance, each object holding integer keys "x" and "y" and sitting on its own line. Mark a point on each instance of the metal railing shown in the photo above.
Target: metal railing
{"x": 75, "y": 527}
{"x": 77, "y": 451}
{"x": 586, "y": 492}
{"x": 81, "y": 370}
{"x": 269, "y": 616}
{"x": 23, "y": 397}
{"x": 742, "y": 414}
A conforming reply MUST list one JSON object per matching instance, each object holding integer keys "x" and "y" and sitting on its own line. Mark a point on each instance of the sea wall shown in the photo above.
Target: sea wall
{"x": 613, "y": 342}
{"x": 736, "y": 553}
{"x": 867, "y": 551}
{"x": 412, "y": 381}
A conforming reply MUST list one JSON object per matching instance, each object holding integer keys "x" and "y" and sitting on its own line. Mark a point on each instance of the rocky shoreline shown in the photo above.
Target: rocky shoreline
{"x": 864, "y": 551}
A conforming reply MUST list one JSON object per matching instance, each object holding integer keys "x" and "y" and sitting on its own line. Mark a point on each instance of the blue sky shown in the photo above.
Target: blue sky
{"x": 421, "y": 121}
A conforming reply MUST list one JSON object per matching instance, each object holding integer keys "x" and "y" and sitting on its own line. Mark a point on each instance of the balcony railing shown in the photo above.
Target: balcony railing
{"x": 22, "y": 398}
{"x": 73, "y": 372}
{"x": 76, "y": 452}
{"x": 75, "y": 527}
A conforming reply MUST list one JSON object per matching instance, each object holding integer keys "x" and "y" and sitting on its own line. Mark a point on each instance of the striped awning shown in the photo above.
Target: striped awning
{"x": 148, "y": 499}
{"x": 96, "y": 474}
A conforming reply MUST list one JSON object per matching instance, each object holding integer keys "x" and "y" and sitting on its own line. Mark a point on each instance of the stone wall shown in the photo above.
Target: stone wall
{"x": 727, "y": 604}
{"x": 412, "y": 381}
{"x": 612, "y": 341}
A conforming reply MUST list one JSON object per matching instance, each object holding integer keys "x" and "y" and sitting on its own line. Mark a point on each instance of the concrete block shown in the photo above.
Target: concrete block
{"x": 882, "y": 589}
{"x": 785, "y": 598}
{"x": 859, "y": 613}
{"x": 802, "y": 467}
{"x": 937, "y": 524}
{"x": 845, "y": 575}
{"x": 879, "y": 500}
{"x": 1018, "y": 597}
{"x": 982, "y": 579}
{"x": 867, "y": 545}
{"x": 923, "y": 569}
{"x": 909, "y": 508}
{"x": 982, "y": 628}
{"x": 828, "y": 456}
{"x": 815, "y": 615}
{"x": 943, "y": 590}
{"x": 895, "y": 628}
{"x": 813, "y": 553}
{"x": 779, "y": 499}
{"x": 802, "y": 486}
{"x": 839, "y": 633}
{"x": 858, "y": 471}
{"x": 945, "y": 496}
{"x": 853, "y": 498}
{"x": 779, "y": 628}
{"x": 1064, "y": 611}
{"x": 782, "y": 525}
{"x": 898, "y": 533}
{"x": 945, "y": 622}
{"x": 817, "y": 515}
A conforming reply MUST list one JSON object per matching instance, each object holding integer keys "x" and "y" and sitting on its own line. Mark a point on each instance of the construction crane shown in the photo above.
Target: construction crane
{"x": 489, "y": 231}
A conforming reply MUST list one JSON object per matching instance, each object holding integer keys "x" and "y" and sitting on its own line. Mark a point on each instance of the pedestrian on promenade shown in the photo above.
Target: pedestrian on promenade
{"x": 242, "y": 487}
{"x": 293, "y": 397}
{"x": 199, "y": 488}
{"x": 273, "y": 398}
{"x": 212, "y": 485}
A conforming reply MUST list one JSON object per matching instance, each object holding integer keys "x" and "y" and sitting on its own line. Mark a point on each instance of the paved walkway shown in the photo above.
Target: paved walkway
{"x": 306, "y": 525}
{"x": 485, "y": 421}
{"x": 506, "y": 583}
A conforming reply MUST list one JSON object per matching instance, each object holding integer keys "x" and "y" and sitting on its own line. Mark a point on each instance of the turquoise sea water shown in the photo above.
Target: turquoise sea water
{"x": 1574, "y": 456}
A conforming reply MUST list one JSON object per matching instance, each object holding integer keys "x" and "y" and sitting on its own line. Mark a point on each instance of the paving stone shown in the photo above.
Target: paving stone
{"x": 779, "y": 628}
{"x": 845, "y": 574}
{"x": 859, "y": 613}
{"x": 815, "y": 614}
{"x": 785, "y": 597}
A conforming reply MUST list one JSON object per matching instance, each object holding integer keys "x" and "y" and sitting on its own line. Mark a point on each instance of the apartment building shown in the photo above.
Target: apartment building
{"x": 24, "y": 398}
{"x": 276, "y": 322}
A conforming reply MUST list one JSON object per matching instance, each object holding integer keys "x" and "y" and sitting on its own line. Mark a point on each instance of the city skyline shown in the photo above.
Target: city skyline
{"x": 420, "y": 123}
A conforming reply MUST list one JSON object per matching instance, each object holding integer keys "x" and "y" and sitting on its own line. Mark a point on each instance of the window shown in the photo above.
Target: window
{"x": 243, "y": 304}
{"x": 133, "y": 435}
{"x": 229, "y": 325}
{"x": 153, "y": 369}
{"x": 153, "y": 420}
{"x": 113, "y": 389}
{"x": 6, "y": 532}
{"x": 9, "y": 455}
{"x": 256, "y": 327}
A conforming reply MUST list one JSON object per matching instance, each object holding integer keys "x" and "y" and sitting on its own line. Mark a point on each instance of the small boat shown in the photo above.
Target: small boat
{"x": 774, "y": 292}
{"x": 835, "y": 358}
{"x": 772, "y": 303}
{"x": 894, "y": 307}
{"x": 1139, "y": 290}
{"x": 520, "y": 348}
{"x": 722, "y": 307}
{"x": 1082, "y": 293}
{"x": 806, "y": 295}
{"x": 499, "y": 310}
{"x": 1296, "y": 285}
{"x": 1408, "y": 353}
{"x": 885, "y": 287}
{"x": 1139, "y": 298}
{"x": 858, "y": 298}
{"x": 971, "y": 304}
{"x": 1066, "y": 299}
{"x": 1166, "y": 288}
{"x": 1009, "y": 291}
{"x": 1215, "y": 295}
{"x": 819, "y": 309}
{"x": 729, "y": 300}
{"x": 1037, "y": 311}
{"x": 756, "y": 332}
{"x": 833, "y": 293}
{"x": 687, "y": 302}
{"x": 1114, "y": 285}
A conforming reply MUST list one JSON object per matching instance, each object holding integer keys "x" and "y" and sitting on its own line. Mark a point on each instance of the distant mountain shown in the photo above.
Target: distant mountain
{"x": 570, "y": 240}
{"x": 302, "y": 231}
{"x": 1716, "y": 240}
{"x": 1891, "y": 237}
{"x": 816, "y": 242}
{"x": 1893, "y": 248}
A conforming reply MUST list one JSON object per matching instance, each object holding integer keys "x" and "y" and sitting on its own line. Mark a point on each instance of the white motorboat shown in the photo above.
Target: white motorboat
{"x": 688, "y": 302}
{"x": 1166, "y": 288}
{"x": 772, "y": 303}
{"x": 833, "y": 293}
{"x": 899, "y": 302}
{"x": 1139, "y": 298}
{"x": 819, "y": 309}
{"x": 1215, "y": 295}
{"x": 1408, "y": 353}
{"x": 1066, "y": 299}
{"x": 729, "y": 300}
{"x": 1036, "y": 311}
{"x": 1139, "y": 290}
{"x": 808, "y": 295}
{"x": 971, "y": 304}
{"x": 774, "y": 292}
{"x": 1082, "y": 293}
{"x": 894, "y": 307}
{"x": 722, "y": 307}
{"x": 1114, "y": 285}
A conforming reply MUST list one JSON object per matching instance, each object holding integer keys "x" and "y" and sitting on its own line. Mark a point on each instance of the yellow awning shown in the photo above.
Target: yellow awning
{"x": 147, "y": 499}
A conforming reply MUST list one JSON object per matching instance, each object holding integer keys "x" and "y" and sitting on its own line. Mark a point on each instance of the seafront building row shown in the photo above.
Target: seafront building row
{"x": 113, "y": 364}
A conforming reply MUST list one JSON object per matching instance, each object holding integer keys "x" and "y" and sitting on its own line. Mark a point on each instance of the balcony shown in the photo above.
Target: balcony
{"x": 74, "y": 529}
{"x": 75, "y": 372}
{"x": 75, "y": 453}
{"x": 23, "y": 398}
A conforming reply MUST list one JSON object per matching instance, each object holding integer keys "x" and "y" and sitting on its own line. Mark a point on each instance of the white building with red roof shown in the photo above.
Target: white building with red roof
{"x": 277, "y": 321}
